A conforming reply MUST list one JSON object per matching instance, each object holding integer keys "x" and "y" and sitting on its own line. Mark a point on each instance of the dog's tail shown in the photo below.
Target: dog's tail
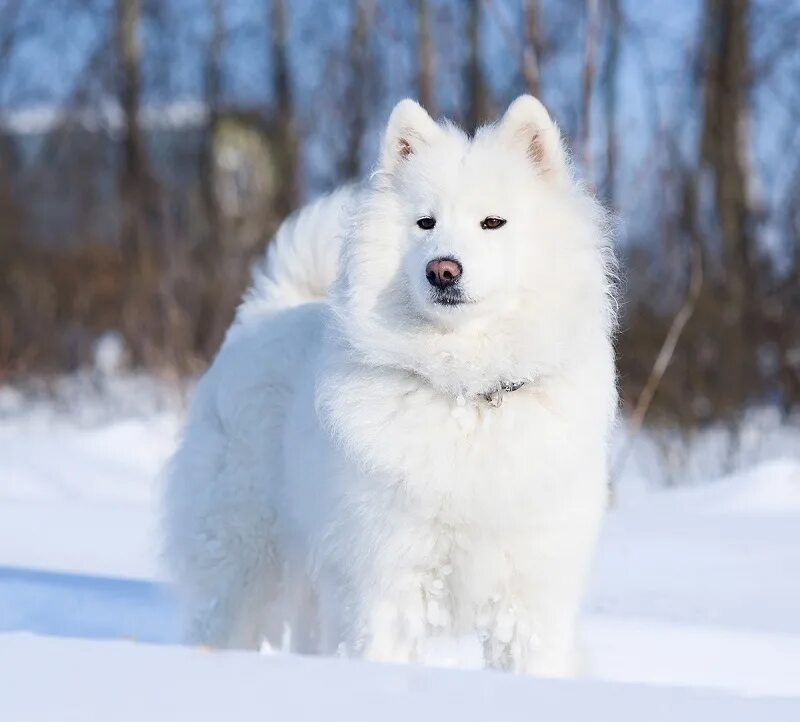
{"x": 302, "y": 260}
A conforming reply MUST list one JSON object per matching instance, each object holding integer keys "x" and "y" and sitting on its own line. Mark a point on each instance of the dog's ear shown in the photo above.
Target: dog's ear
{"x": 409, "y": 129}
{"x": 528, "y": 126}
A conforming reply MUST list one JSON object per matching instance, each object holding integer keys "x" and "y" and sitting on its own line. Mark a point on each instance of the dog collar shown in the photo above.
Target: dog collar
{"x": 495, "y": 396}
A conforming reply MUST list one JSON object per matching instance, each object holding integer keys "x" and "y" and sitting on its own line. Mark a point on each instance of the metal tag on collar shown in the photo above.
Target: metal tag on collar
{"x": 495, "y": 398}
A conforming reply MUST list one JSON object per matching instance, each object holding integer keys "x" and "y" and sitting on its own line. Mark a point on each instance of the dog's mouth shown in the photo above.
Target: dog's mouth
{"x": 452, "y": 296}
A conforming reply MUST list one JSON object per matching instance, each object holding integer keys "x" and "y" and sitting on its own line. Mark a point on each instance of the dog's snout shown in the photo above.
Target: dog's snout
{"x": 443, "y": 272}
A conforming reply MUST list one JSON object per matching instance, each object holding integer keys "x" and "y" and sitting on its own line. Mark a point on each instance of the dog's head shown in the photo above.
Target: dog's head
{"x": 466, "y": 243}
{"x": 470, "y": 210}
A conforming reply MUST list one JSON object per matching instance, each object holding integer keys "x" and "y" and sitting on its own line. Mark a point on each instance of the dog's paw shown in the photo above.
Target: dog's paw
{"x": 506, "y": 631}
{"x": 437, "y": 600}
{"x": 399, "y": 625}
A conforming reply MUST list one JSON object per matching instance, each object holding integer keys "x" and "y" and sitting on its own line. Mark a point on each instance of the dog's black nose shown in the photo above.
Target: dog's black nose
{"x": 443, "y": 272}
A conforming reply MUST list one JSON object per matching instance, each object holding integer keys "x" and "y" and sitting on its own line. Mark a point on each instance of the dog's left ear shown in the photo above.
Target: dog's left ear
{"x": 528, "y": 126}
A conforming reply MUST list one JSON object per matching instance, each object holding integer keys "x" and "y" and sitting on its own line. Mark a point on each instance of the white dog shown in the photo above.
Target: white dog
{"x": 404, "y": 435}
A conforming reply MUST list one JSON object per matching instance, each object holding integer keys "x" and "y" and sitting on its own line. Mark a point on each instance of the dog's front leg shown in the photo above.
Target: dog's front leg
{"x": 504, "y": 627}
{"x": 400, "y": 610}
{"x": 393, "y": 626}
{"x": 527, "y": 625}
{"x": 520, "y": 635}
{"x": 397, "y": 624}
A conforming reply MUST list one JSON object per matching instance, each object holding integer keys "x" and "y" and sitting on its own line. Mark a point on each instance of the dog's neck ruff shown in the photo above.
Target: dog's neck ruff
{"x": 495, "y": 397}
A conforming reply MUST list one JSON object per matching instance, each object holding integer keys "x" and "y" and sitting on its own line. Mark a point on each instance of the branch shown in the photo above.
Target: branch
{"x": 665, "y": 354}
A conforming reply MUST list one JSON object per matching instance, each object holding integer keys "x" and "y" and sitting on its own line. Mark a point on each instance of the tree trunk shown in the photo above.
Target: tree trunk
{"x": 610, "y": 73}
{"x": 724, "y": 164}
{"x": 723, "y": 143}
{"x": 425, "y": 70}
{"x": 357, "y": 100}
{"x": 9, "y": 14}
{"x": 212, "y": 256}
{"x": 531, "y": 48}
{"x": 477, "y": 103}
{"x": 288, "y": 162}
{"x": 134, "y": 174}
{"x": 213, "y": 92}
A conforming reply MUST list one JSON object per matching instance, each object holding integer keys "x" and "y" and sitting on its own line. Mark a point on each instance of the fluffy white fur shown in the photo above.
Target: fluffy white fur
{"x": 342, "y": 474}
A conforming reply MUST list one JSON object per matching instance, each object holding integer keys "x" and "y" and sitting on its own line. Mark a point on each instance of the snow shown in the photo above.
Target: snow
{"x": 85, "y": 467}
{"x": 693, "y": 611}
{"x": 124, "y": 681}
{"x": 695, "y": 556}
{"x": 41, "y": 119}
{"x": 657, "y": 653}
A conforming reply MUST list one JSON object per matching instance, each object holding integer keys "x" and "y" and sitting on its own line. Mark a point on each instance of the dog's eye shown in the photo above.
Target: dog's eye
{"x": 426, "y": 223}
{"x": 491, "y": 222}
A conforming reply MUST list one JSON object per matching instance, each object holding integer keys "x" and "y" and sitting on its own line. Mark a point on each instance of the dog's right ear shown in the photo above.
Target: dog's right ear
{"x": 409, "y": 129}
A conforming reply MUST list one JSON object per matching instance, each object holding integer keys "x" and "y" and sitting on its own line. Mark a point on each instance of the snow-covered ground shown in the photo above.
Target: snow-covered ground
{"x": 696, "y": 585}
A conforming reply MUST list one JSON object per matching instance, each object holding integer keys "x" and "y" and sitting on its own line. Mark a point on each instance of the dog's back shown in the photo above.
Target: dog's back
{"x": 221, "y": 482}
{"x": 302, "y": 261}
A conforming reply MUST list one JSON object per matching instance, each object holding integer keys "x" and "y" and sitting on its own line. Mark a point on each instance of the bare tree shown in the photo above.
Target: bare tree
{"x": 532, "y": 47}
{"x": 723, "y": 142}
{"x": 288, "y": 162}
{"x": 9, "y": 15}
{"x": 211, "y": 251}
{"x": 213, "y": 95}
{"x": 724, "y": 159}
{"x": 477, "y": 111}
{"x": 361, "y": 70}
{"x": 610, "y": 73}
{"x": 425, "y": 69}
{"x": 134, "y": 172}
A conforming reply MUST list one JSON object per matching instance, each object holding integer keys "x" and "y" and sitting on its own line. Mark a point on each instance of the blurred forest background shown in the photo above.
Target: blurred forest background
{"x": 149, "y": 148}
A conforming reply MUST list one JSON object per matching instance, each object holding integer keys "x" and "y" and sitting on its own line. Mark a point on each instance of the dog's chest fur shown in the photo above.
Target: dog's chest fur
{"x": 462, "y": 461}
